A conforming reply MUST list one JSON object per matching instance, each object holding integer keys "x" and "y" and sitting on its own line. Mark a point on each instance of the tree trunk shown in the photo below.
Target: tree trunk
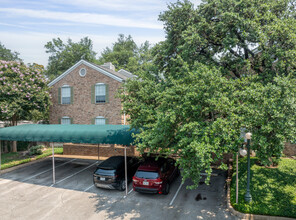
{"x": 14, "y": 146}
{"x": 5, "y": 147}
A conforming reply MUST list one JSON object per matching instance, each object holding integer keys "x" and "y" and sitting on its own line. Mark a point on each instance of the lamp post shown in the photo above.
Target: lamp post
{"x": 243, "y": 153}
{"x": 248, "y": 197}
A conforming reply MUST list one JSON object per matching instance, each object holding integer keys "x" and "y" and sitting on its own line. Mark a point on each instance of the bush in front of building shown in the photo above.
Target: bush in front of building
{"x": 36, "y": 150}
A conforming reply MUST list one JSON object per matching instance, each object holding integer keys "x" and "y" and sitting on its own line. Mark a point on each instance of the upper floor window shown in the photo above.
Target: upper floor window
{"x": 65, "y": 95}
{"x": 100, "y": 93}
{"x": 82, "y": 72}
{"x": 66, "y": 120}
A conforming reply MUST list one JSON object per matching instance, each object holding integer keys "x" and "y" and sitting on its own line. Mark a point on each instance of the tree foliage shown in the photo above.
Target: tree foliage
{"x": 64, "y": 55}
{"x": 125, "y": 54}
{"x": 224, "y": 66}
{"x": 8, "y": 55}
{"x": 24, "y": 94}
{"x": 241, "y": 37}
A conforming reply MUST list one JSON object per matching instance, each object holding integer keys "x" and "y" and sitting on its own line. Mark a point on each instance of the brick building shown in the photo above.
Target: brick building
{"x": 85, "y": 94}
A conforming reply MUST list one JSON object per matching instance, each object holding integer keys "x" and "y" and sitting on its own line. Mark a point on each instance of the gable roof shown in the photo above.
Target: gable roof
{"x": 108, "y": 72}
{"x": 126, "y": 73}
{"x": 122, "y": 76}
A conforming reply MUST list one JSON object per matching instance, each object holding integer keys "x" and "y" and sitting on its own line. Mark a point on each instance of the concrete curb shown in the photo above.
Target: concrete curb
{"x": 249, "y": 216}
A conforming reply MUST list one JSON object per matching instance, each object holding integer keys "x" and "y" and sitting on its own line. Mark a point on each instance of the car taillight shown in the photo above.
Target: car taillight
{"x": 135, "y": 180}
{"x": 158, "y": 181}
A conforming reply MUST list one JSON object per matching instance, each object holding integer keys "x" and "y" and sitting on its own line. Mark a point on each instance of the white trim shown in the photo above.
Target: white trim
{"x": 87, "y": 64}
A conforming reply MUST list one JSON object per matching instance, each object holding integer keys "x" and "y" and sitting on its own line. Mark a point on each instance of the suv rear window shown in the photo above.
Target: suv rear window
{"x": 105, "y": 172}
{"x": 146, "y": 174}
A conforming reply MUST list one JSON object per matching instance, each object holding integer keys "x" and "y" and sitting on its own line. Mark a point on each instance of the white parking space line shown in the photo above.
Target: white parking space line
{"x": 130, "y": 191}
{"x": 171, "y": 203}
{"x": 74, "y": 174}
{"x": 47, "y": 170}
{"x": 88, "y": 188}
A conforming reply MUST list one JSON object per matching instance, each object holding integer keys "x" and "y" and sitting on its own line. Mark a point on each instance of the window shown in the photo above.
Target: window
{"x": 66, "y": 95}
{"x": 65, "y": 120}
{"x": 147, "y": 174}
{"x": 100, "y": 93}
{"x": 100, "y": 120}
{"x": 82, "y": 72}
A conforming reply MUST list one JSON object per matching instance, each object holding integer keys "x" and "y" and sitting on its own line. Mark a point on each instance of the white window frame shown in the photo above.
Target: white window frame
{"x": 64, "y": 119}
{"x": 99, "y": 118}
{"x": 82, "y": 74}
{"x": 63, "y": 95}
{"x": 99, "y": 92}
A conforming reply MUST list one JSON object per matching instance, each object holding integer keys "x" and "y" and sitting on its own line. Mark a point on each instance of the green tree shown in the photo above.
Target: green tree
{"x": 241, "y": 37}
{"x": 125, "y": 54}
{"x": 24, "y": 94}
{"x": 64, "y": 55}
{"x": 8, "y": 55}
{"x": 224, "y": 66}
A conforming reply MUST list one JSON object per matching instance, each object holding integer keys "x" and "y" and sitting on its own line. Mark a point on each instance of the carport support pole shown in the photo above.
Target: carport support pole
{"x": 53, "y": 166}
{"x": 125, "y": 170}
{"x": 0, "y": 155}
{"x": 236, "y": 195}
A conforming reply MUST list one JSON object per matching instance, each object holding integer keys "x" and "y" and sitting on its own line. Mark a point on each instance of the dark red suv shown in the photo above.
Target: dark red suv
{"x": 155, "y": 176}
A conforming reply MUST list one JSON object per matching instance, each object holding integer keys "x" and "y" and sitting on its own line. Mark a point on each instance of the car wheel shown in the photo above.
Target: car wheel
{"x": 167, "y": 189}
{"x": 122, "y": 185}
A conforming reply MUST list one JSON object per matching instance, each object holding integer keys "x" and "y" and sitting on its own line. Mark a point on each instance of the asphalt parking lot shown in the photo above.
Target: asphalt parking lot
{"x": 28, "y": 193}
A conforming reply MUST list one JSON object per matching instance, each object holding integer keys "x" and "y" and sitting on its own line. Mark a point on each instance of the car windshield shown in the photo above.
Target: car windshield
{"x": 147, "y": 174}
{"x": 104, "y": 172}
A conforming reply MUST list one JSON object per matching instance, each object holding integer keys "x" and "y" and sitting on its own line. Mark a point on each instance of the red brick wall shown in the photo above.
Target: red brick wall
{"x": 82, "y": 110}
{"x": 108, "y": 150}
{"x": 105, "y": 150}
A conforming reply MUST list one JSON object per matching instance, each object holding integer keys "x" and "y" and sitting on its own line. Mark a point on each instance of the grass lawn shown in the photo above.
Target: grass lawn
{"x": 273, "y": 190}
{"x": 14, "y": 159}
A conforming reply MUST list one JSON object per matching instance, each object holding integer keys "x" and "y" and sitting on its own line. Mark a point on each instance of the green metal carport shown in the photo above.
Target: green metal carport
{"x": 74, "y": 133}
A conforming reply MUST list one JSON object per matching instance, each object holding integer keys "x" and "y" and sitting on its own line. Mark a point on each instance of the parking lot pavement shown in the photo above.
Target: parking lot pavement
{"x": 207, "y": 201}
{"x": 28, "y": 193}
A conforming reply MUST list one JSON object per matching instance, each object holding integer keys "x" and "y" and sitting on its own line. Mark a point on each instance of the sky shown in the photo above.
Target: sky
{"x": 27, "y": 25}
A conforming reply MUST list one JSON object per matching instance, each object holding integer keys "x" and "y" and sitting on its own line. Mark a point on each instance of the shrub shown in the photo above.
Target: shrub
{"x": 36, "y": 150}
{"x": 22, "y": 145}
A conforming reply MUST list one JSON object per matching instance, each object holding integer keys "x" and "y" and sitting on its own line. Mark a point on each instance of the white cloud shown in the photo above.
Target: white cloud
{"x": 88, "y": 18}
{"x": 12, "y": 25}
{"x": 117, "y": 5}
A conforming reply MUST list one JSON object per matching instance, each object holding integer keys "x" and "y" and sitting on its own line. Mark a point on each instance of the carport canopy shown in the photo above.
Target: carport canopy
{"x": 74, "y": 133}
